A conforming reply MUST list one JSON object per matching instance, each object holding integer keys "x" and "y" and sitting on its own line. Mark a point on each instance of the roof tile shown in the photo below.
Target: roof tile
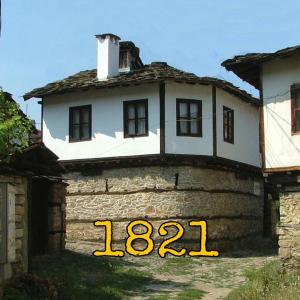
{"x": 154, "y": 72}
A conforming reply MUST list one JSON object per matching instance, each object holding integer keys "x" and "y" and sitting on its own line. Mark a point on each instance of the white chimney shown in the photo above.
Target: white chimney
{"x": 107, "y": 56}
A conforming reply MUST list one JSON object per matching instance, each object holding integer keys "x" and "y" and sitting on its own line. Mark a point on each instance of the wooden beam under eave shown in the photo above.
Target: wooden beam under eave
{"x": 261, "y": 123}
{"x": 162, "y": 116}
{"x": 281, "y": 169}
{"x": 248, "y": 73}
{"x": 214, "y": 114}
{"x": 42, "y": 118}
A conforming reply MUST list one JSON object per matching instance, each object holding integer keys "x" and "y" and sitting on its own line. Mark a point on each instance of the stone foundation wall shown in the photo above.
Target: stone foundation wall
{"x": 16, "y": 256}
{"x": 232, "y": 205}
{"x": 289, "y": 230}
{"x": 56, "y": 218}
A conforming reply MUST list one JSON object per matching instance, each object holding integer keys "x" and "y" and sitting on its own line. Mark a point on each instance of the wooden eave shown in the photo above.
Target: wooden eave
{"x": 156, "y": 72}
{"x": 36, "y": 159}
{"x": 247, "y": 66}
{"x": 203, "y": 161}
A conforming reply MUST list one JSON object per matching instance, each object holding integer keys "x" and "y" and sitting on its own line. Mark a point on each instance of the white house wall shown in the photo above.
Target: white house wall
{"x": 188, "y": 145}
{"x": 107, "y": 123}
{"x": 246, "y": 130}
{"x": 281, "y": 148}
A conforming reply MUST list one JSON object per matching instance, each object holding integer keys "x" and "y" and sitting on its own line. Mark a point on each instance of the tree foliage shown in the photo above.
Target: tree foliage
{"x": 14, "y": 128}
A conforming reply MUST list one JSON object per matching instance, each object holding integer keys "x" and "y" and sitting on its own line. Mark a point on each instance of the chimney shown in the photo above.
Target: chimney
{"x": 107, "y": 56}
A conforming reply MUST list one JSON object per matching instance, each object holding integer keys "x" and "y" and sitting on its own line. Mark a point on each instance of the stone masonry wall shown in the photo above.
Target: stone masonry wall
{"x": 17, "y": 224}
{"x": 232, "y": 206}
{"x": 56, "y": 218}
{"x": 289, "y": 230}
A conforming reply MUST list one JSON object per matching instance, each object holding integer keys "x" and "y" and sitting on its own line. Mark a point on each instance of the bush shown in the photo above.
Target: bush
{"x": 14, "y": 127}
{"x": 270, "y": 282}
{"x": 31, "y": 287}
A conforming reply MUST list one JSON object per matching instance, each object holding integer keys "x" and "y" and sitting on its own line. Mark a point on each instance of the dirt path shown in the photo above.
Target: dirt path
{"x": 196, "y": 278}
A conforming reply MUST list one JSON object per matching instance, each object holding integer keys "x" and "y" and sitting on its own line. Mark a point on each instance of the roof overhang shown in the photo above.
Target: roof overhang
{"x": 96, "y": 165}
{"x": 156, "y": 72}
{"x": 248, "y": 66}
{"x": 39, "y": 160}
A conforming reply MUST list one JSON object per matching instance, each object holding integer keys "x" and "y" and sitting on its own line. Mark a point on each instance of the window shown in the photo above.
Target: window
{"x": 189, "y": 117}
{"x": 135, "y": 118}
{"x": 80, "y": 123}
{"x": 228, "y": 124}
{"x": 295, "y": 103}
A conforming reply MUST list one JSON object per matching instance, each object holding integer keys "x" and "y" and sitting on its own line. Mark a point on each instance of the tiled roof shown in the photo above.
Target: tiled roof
{"x": 247, "y": 66}
{"x": 154, "y": 72}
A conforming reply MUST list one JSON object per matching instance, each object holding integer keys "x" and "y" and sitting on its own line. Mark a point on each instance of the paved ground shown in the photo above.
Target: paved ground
{"x": 185, "y": 278}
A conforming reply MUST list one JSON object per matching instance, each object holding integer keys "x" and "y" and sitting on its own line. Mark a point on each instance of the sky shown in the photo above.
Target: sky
{"x": 44, "y": 41}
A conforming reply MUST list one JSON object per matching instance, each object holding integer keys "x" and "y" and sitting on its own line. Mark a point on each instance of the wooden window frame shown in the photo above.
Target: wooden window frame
{"x": 294, "y": 89}
{"x": 228, "y": 110}
{"x": 126, "y": 119}
{"x": 80, "y": 139}
{"x": 178, "y": 118}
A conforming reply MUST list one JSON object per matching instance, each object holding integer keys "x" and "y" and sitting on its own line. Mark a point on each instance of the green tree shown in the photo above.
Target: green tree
{"x": 15, "y": 128}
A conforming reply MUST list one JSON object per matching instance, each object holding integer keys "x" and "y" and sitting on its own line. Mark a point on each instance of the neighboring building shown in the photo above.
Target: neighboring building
{"x": 151, "y": 141}
{"x": 277, "y": 76}
{"x": 31, "y": 220}
{"x": 32, "y": 216}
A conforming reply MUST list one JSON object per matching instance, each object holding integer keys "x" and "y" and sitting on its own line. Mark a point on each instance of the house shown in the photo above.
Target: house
{"x": 32, "y": 197}
{"x": 277, "y": 76}
{"x": 153, "y": 142}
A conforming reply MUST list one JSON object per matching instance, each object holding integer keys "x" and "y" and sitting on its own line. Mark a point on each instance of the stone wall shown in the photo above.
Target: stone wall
{"x": 56, "y": 217}
{"x": 289, "y": 230}
{"x": 232, "y": 204}
{"x": 16, "y": 252}
{"x": 14, "y": 229}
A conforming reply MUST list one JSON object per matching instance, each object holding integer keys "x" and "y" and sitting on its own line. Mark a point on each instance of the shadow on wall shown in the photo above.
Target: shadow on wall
{"x": 288, "y": 142}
